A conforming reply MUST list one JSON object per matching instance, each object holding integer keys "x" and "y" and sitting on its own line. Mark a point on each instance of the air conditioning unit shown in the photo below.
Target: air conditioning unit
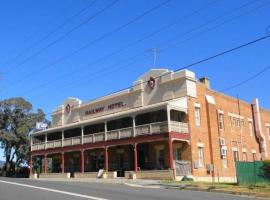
{"x": 210, "y": 167}
{"x": 222, "y": 141}
{"x": 223, "y": 151}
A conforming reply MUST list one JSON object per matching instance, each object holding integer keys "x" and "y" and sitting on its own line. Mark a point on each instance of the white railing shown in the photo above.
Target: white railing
{"x": 113, "y": 135}
{"x": 57, "y": 143}
{"x": 88, "y": 138}
{"x": 179, "y": 127}
{"x": 41, "y": 146}
{"x": 146, "y": 129}
{"x": 50, "y": 144}
{"x": 34, "y": 147}
{"x": 126, "y": 132}
{"x": 99, "y": 137}
{"x": 153, "y": 128}
{"x": 120, "y": 133}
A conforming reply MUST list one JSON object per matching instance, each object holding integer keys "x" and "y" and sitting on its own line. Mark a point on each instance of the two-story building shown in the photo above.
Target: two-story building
{"x": 167, "y": 125}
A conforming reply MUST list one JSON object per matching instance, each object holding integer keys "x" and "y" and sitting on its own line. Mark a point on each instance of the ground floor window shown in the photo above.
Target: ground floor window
{"x": 200, "y": 157}
{"x": 177, "y": 154}
{"x": 235, "y": 156}
{"x": 245, "y": 156}
{"x": 225, "y": 162}
{"x": 254, "y": 156}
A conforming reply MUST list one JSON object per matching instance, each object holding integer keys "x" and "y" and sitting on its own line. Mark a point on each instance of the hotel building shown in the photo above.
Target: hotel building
{"x": 166, "y": 126}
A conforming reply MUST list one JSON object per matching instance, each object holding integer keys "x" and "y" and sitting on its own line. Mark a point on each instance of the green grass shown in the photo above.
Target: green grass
{"x": 259, "y": 190}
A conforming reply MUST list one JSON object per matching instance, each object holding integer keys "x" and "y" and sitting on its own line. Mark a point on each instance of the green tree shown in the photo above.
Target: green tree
{"x": 17, "y": 121}
{"x": 266, "y": 169}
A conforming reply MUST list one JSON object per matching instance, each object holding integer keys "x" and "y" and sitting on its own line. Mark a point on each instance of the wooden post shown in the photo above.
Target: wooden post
{"x": 135, "y": 158}
{"x": 63, "y": 162}
{"x": 171, "y": 153}
{"x": 45, "y": 163}
{"x": 106, "y": 160}
{"x": 30, "y": 165}
{"x": 82, "y": 161}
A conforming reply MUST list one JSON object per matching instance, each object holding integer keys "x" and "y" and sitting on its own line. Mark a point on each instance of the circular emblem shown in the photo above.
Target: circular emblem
{"x": 68, "y": 108}
{"x": 151, "y": 82}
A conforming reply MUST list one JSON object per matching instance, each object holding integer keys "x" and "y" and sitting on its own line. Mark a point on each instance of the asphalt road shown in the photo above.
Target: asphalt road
{"x": 26, "y": 189}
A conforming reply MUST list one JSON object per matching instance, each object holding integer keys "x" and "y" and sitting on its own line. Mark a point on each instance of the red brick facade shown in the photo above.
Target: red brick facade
{"x": 237, "y": 134}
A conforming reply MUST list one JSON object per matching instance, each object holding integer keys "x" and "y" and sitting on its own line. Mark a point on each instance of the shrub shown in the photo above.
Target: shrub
{"x": 266, "y": 169}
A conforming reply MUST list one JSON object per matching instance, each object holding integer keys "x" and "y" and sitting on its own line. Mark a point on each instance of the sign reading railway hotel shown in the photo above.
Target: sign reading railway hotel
{"x": 100, "y": 109}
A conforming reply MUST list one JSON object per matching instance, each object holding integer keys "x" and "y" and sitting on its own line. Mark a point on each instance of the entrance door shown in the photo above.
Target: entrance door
{"x": 120, "y": 165}
{"x": 160, "y": 158}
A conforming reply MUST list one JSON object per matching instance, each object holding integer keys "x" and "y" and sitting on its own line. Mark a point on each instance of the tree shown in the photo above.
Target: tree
{"x": 17, "y": 121}
{"x": 266, "y": 169}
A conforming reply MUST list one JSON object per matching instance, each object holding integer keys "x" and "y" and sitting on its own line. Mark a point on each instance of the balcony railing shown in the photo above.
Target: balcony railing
{"x": 179, "y": 127}
{"x": 146, "y": 129}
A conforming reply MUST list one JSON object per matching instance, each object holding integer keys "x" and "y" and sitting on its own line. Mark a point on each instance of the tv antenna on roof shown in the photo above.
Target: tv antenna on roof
{"x": 154, "y": 51}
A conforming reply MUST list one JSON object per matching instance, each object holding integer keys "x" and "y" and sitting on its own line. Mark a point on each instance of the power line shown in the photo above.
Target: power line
{"x": 100, "y": 71}
{"x": 225, "y": 52}
{"x": 205, "y": 60}
{"x": 246, "y": 80}
{"x": 214, "y": 27}
{"x": 120, "y": 50}
{"x": 256, "y": 75}
{"x": 63, "y": 36}
{"x": 163, "y": 28}
{"x": 52, "y": 32}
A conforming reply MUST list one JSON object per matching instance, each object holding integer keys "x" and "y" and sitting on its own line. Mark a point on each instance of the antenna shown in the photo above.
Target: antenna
{"x": 154, "y": 51}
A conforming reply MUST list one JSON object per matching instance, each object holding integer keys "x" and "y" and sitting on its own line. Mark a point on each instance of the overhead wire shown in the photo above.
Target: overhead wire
{"x": 62, "y": 36}
{"x": 137, "y": 55}
{"x": 117, "y": 29}
{"x": 51, "y": 32}
{"x": 207, "y": 59}
{"x": 163, "y": 28}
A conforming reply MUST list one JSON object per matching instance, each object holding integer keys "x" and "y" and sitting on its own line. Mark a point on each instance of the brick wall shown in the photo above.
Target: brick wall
{"x": 208, "y": 134}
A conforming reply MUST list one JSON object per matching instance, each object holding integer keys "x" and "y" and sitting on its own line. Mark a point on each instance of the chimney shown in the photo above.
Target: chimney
{"x": 205, "y": 81}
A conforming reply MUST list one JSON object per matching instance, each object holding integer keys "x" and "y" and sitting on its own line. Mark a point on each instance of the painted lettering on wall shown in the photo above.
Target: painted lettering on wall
{"x": 100, "y": 109}
{"x": 116, "y": 105}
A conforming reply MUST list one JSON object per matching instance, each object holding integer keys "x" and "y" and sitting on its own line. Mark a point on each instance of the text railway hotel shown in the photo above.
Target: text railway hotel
{"x": 166, "y": 126}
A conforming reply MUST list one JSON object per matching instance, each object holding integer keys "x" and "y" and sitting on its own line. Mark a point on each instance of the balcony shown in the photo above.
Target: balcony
{"x": 146, "y": 129}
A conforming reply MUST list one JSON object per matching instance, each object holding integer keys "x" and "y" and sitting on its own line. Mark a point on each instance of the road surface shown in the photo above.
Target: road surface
{"x": 27, "y": 189}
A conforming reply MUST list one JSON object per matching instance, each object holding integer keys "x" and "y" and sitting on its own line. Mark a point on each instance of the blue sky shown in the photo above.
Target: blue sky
{"x": 183, "y": 32}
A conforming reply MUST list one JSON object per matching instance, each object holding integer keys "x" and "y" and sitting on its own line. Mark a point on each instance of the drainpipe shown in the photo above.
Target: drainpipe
{"x": 258, "y": 128}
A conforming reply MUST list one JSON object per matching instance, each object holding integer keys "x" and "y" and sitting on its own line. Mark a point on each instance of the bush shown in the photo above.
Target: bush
{"x": 266, "y": 169}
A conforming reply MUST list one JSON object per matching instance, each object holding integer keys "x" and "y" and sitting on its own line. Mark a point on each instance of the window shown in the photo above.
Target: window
{"x": 200, "y": 157}
{"x": 177, "y": 154}
{"x": 242, "y": 123}
{"x": 268, "y": 131}
{"x": 237, "y": 122}
{"x": 235, "y": 156}
{"x": 197, "y": 116}
{"x": 221, "y": 121}
{"x": 225, "y": 162}
{"x": 250, "y": 128}
{"x": 233, "y": 121}
{"x": 245, "y": 156}
{"x": 254, "y": 156}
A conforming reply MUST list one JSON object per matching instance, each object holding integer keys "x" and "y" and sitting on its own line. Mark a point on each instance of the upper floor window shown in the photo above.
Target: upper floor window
{"x": 221, "y": 121}
{"x": 250, "y": 126}
{"x": 197, "y": 115}
{"x": 268, "y": 130}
